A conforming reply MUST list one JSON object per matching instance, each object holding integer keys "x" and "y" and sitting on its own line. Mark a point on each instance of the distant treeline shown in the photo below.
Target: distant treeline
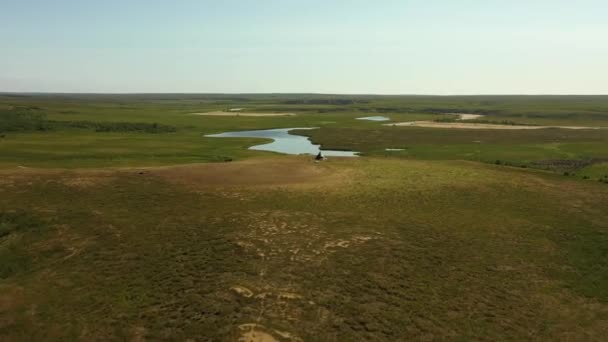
{"x": 447, "y": 110}
{"x": 339, "y": 102}
{"x": 116, "y": 126}
{"x": 32, "y": 121}
{"x": 428, "y": 110}
{"x": 566, "y": 164}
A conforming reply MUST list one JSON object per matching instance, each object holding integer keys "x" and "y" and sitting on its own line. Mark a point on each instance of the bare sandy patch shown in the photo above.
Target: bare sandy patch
{"x": 139, "y": 334}
{"x": 238, "y": 113}
{"x": 242, "y": 291}
{"x": 252, "y": 332}
{"x": 465, "y": 116}
{"x": 464, "y": 125}
{"x": 289, "y": 296}
{"x": 82, "y": 182}
{"x": 469, "y": 125}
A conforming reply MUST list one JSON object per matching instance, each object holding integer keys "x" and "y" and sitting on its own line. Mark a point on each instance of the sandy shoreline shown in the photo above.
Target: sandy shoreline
{"x": 464, "y": 125}
{"x": 469, "y": 125}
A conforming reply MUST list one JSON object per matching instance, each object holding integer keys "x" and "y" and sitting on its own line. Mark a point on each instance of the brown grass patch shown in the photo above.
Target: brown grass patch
{"x": 78, "y": 178}
{"x": 256, "y": 172}
{"x": 242, "y": 114}
{"x": 466, "y": 125}
{"x": 283, "y": 171}
{"x": 11, "y": 298}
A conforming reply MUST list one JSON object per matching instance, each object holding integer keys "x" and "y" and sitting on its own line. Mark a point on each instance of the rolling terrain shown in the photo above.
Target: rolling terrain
{"x": 119, "y": 220}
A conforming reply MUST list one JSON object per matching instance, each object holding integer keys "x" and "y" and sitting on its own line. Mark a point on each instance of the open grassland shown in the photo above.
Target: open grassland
{"x": 123, "y": 130}
{"x": 119, "y": 220}
{"x": 519, "y": 147}
{"x": 368, "y": 249}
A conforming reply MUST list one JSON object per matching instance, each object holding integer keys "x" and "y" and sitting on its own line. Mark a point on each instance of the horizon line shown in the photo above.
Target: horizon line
{"x": 291, "y": 93}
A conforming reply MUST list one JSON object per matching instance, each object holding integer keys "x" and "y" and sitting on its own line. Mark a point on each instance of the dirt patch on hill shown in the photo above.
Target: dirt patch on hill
{"x": 11, "y": 297}
{"x": 465, "y": 116}
{"x": 258, "y": 172}
{"x": 284, "y": 171}
{"x": 84, "y": 178}
{"x": 253, "y": 332}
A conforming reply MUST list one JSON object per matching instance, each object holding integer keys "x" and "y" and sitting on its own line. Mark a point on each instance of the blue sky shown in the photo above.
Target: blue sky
{"x": 382, "y": 46}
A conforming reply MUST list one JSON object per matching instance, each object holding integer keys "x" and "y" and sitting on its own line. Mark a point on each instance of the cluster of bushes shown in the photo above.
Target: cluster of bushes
{"x": 17, "y": 221}
{"x": 17, "y": 121}
{"x": 13, "y": 252}
{"x": 442, "y": 110}
{"x": 578, "y": 164}
{"x": 26, "y": 120}
{"x": 603, "y": 179}
{"x": 507, "y": 163}
{"x": 339, "y": 102}
{"x": 566, "y": 164}
{"x": 116, "y": 126}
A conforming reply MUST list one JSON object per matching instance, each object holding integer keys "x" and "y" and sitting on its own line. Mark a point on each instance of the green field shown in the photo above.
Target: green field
{"x": 119, "y": 220}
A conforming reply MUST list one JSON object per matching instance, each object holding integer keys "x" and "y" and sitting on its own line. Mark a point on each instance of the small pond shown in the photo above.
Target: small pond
{"x": 375, "y": 118}
{"x": 284, "y": 142}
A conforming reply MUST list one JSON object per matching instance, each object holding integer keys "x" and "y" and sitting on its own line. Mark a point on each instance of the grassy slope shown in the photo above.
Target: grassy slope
{"x": 396, "y": 250}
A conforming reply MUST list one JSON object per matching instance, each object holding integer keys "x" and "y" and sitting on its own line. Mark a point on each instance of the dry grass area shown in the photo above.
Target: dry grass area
{"x": 284, "y": 249}
{"x": 292, "y": 171}
{"x": 238, "y": 113}
{"x": 468, "y": 125}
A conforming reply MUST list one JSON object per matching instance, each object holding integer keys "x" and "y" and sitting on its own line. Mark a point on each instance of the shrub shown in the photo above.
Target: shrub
{"x": 21, "y": 120}
{"x": 13, "y": 254}
{"x": 115, "y": 126}
{"x": 12, "y": 222}
{"x": 27, "y": 120}
{"x": 14, "y": 260}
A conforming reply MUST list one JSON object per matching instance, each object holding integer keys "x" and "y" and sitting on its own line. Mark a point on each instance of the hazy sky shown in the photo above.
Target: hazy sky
{"x": 350, "y": 46}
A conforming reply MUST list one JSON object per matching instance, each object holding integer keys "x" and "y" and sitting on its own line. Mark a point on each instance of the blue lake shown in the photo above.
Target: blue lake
{"x": 284, "y": 142}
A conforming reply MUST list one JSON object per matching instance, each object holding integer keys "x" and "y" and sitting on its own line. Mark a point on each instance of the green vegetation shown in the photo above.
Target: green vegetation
{"x": 396, "y": 250}
{"x": 27, "y": 121}
{"x": 17, "y": 230}
{"x": 464, "y": 234}
{"x": 17, "y": 121}
{"x": 104, "y": 130}
{"x": 514, "y": 147}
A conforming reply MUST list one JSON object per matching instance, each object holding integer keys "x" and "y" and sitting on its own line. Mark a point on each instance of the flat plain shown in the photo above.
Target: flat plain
{"x": 119, "y": 220}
